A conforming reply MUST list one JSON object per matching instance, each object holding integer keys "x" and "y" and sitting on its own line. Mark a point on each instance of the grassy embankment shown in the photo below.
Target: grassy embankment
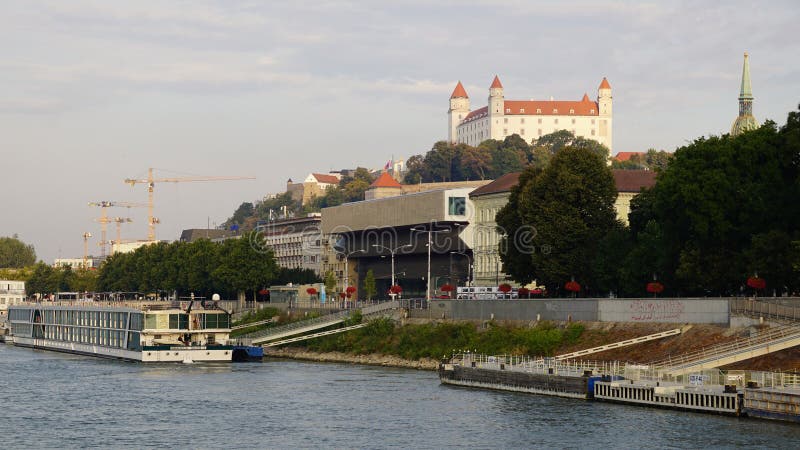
{"x": 414, "y": 342}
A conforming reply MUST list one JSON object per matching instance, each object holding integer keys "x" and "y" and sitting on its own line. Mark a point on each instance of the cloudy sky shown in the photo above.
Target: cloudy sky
{"x": 93, "y": 92}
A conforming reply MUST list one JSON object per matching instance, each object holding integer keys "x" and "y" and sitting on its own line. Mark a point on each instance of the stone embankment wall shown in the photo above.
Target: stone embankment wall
{"x": 643, "y": 310}
{"x": 371, "y": 359}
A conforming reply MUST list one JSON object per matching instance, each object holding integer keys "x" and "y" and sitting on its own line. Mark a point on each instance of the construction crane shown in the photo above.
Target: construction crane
{"x": 151, "y": 182}
{"x": 119, "y": 221}
{"x": 86, "y": 237}
{"x": 104, "y": 220}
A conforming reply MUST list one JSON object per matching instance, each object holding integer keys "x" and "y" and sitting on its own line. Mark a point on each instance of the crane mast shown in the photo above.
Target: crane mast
{"x": 151, "y": 182}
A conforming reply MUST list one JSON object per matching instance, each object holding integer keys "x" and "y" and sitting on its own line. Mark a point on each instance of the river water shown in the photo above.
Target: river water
{"x": 56, "y": 400}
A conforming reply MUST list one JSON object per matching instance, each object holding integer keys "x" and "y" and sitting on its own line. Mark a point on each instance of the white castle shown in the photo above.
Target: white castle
{"x": 530, "y": 119}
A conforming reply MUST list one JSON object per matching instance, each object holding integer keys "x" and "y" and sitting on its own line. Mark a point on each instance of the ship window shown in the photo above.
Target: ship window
{"x": 457, "y": 206}
{"x": 150, "y": 321}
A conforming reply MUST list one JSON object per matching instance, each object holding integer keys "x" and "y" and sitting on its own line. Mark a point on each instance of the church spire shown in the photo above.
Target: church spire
{"x": 745, "y": 121}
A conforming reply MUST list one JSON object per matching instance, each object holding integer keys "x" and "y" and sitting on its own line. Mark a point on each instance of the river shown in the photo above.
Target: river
{"x": 56, "y": 400}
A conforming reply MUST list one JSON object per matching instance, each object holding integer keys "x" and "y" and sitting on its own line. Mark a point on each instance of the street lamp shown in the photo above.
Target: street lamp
{"x": 430, "y": 232}
{"x": 346, "y": 270}
{"x": 392, "y": 251}
{"x": 469, "y": 266}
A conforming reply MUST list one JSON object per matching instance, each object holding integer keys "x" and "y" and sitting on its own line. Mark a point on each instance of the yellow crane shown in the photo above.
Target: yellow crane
{"x": 104, "y": 220}
{"x": 151, "y": 182}
{"x": 119, "y": 221}
{"x": 86, "y": 237}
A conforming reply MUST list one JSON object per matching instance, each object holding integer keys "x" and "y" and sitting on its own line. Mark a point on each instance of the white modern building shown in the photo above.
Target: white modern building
{"x": 530, "y": 119}
{"x": 11, "y": 293}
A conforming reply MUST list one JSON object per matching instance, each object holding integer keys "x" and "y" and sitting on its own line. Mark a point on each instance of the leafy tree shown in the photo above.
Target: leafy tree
{"x": 569, "y": 205}
{"x": 297, "y": 276}
{"x": 41, "y": 280}
{"x": 476, "y": 163}
{"x": 416, "y": 170}
{"x": 330, "y": 282}
{"x": 550, "y": 144}
{"x": 244, "y": 211}
{"x": 15, "y": 253}
{"x": 369, "y": 284}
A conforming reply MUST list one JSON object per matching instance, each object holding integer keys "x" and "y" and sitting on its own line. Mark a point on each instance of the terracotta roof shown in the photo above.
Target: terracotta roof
{"x": 496, "y": 83}
{"x": 633, "y": 180}
{"x": 551, "y": 107}
{"x": 503, "y": 184}
{"x": 625, "y": 156}
{"x": 325, "y": 178}
{"x": 459, "y": 91}
{"x": 385, "y": 181}
{"x": 478, "y": 113}
{"x": 604, "y": 84}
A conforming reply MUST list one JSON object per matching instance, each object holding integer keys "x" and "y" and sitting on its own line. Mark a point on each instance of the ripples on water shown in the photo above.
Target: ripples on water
{"x": 56, "y": 400}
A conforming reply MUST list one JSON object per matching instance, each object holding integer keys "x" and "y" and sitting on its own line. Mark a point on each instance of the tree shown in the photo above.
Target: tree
{"x": 15, "y": 253}
{"x": 369, "y": 285}
{"x": 416, "y": 170}
{"x": 330, "y": 282}
{"x": 41, "y": 280}
{"x": 244, "y": 211}
{"x": 476, "y": 163}
{"x": 550, "y": 144}
{"x": 566, "y": 210}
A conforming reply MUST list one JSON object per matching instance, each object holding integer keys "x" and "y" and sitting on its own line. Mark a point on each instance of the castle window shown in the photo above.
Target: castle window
{"x": 573, "y": 121}
{"x": 522, "y": 110}
{"x": 540, "y": 131}
{"x": 592, "y": 121}
{"x": 540, "y": 121}
{"x": 555, "y": 111}
{"x": 505, "y": 120}
{"x": 591, "y": 111}
{"x": 572, "y": 111}
{"x": 522, "y": 120}
{"x": 556, "y": 121}
{"x": 508, "y": 110}
{"x": 592, "y": 132}
{"x": 538, "y": 111}
{"x": 505, "y": 131}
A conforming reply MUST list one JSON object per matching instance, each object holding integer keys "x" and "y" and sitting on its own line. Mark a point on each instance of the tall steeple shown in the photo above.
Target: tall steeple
{"x": 746, "y": 121}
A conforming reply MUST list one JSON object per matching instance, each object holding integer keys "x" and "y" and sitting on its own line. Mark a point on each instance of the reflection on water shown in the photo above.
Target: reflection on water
{"x": 58, "y": 400}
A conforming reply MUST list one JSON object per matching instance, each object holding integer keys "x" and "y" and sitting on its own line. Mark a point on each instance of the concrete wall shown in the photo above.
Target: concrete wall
{"x": 664, "y": 310}
{"x": 643, "y": 310}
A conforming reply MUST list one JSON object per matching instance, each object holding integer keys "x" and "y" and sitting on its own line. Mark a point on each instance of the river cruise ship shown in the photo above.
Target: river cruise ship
{"x": 162, "y": 332}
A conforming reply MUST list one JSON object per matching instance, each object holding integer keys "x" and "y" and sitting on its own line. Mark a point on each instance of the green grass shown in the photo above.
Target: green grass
{"x": 438, "y": 340}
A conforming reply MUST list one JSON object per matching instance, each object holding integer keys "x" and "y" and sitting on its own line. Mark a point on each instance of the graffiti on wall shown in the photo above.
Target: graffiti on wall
{"x": 655, "y": 310}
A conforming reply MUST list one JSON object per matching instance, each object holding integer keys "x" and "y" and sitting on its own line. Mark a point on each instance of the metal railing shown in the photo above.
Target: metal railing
{"x": 772, "y": 336}
{"x": 253, "y": 324}
{"x": 767, "y": 309}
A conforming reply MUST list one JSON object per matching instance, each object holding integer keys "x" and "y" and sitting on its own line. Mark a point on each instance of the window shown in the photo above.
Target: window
{"x": 573, "y": 121}
{"x": 572, "y": 111}
{"x": 522, "y": 120}
{"x": 556, "y": 121}
{"x": 592, "y": 132}
{"x": 591, "y": 111}
{"x": 508, "y": 110}
{"x": 592, "y": 121}
{"x": 457, "y": 206}
{"x": 538, "y": 111}
{"x": 505, "y": 131}
{"x": 539, "y": 131}
{"x": 555, "y": 111}
{"x": 522, "y": 110}
{"x": 540, "y": 121}
{"x": 522, "y": 132}
{"x": 505, "y": 119}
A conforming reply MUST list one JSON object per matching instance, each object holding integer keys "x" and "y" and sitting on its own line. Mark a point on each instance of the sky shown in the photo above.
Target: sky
{"x": 94, "y": 92}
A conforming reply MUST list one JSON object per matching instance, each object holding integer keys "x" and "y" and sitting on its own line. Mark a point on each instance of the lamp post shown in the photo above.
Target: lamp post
{"x": 430, "y": 232}
{"x": 392, "y": 251}
{"x": 346, "y": 269}
{"x": 469, "y": 266}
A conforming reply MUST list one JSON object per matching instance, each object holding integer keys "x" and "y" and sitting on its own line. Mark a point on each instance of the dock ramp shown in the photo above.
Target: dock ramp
{"x": 602, "y": 348}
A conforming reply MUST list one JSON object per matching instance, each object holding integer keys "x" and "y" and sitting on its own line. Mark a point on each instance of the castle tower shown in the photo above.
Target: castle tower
{"x": 459, "y": 108}
{"x": 745, "y": 121}
{"x": 496, "y": 109}
{"x": 604, "y": 104}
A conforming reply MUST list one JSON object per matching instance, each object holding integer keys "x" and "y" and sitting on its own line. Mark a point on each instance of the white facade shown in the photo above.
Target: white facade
{"x": 295, "y": 243}
{"x": 77, "y": 263}
{"x": 12, "y": 292}
{"x": 530, "y": 119}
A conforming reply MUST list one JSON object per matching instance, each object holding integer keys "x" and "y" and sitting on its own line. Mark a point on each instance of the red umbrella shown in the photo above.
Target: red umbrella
{"x": 655, "y": 287}
{"x": 396, "y": 289}
{"x": 350, "y": 289}
{"x": 504, "y": 288}
{"x": 524, "y": 292}
{"x": 264, "y": 291}
{"x": 342, "y": 295}
{"x": 311, "y": 291}
{"x": 447, "y": 288}
{"x": 756, "y": 282}
{"x": 572, "y": 286}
